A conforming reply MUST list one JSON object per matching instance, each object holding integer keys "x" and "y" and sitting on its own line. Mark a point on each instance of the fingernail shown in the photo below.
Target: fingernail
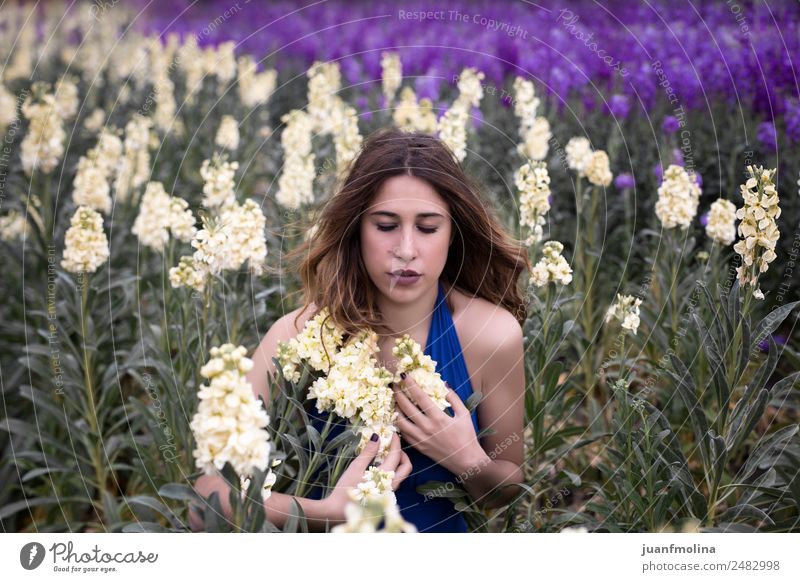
{"x": 391, "y": 384}
{"x": 403, "y": 375}
{"x": 374, "y": 437}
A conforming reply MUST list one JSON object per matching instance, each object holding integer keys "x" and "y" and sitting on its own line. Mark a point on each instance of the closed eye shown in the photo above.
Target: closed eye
{"x": 388, "y": 227}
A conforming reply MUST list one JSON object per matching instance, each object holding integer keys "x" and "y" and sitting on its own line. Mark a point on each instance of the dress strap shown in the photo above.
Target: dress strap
{"x": 445, "y": 348}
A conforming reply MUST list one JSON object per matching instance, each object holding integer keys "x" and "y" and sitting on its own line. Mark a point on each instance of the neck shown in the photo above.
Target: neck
{"x": 409, "y": 318}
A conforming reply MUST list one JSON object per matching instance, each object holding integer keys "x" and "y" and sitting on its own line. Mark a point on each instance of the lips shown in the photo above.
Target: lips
{"x": 405, "y": 273}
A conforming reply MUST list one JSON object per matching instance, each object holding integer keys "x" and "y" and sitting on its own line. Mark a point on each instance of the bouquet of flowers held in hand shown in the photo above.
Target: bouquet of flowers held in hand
{"x": 348, "y": 380}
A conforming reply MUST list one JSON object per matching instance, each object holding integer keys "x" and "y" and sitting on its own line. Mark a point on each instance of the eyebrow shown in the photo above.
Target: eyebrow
{"x": 395, "y": 215}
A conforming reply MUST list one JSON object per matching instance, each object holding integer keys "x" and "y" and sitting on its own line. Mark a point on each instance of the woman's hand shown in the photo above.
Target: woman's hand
{"x": 396, "y": 460}
{"x": 448, "y": 440}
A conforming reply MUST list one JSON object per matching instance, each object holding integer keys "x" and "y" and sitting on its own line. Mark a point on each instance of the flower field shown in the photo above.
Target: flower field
{"x": 158, "y": 163}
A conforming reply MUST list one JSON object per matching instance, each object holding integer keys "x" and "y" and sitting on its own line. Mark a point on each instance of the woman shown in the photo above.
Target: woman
{"x": 407, "y": 247}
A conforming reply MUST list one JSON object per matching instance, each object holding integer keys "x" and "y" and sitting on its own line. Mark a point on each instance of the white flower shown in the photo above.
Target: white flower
{"x": 85, "y": 244}
{"x": 254, "y": 88}
{"x": 678, "y": 197}
{"x": 372, "y": 501}
{"x": 597, "y": 169}
{"x": 525, "y": 103}
{"x": 453, "y": 130}
{"x": 134, "y": 167}
{"x": 324, "y": 82}
{"x": 219, "y": 186}
{"x": 228, "y": 133}
{"x": 758, "y": 228}
{"x": 552, "y": 268}
{"x": 392, "y": 74}
{"x": 94, "y": 121}
{"x": 626, "y": 310}
{"x": 470, "y": 88}
{"x": 535, "y": 139}
{"x": 579, "y": 152}
{"x": 229, "y": 425}
{"x": 296, "y": 184}
{"x": 95, "y": 170}
{"x": 13, "y": 226}
{"x": 159, "y": 212}
{"x": 533, "y": 182}
{"x": 721, "y": 226}
{"x": 43, "y": 145}
{"x": 346, "y": 139}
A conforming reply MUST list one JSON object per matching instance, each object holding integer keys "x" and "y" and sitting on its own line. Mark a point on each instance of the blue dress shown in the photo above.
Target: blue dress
{"x": 434, "y": 514}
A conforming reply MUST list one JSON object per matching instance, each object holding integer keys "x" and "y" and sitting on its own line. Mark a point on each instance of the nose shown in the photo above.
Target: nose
{"x": 406, "y": 250}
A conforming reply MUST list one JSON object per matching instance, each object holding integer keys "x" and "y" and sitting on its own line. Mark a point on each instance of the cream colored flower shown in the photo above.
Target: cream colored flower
{"x": 229, "y": 425}
{"x": 43, "y": 146}
{"x": 579, "y": 153}
{"x": 91, "y": 186}
{"x": 324, "y": 82}
{"x": 392, "y": 74}
{"x": 134, "y": 167}
{"x": 597, "y": 169}
{"x": 158, "y": 213}
{"x": 626, "y": 310}
{"x": 13, "y": 226}
{"x": 453, "y": 130}
{"x": 219, "y": 185}
{"x": 296, "y": 184}
{"x": 8, "y": 108}
{"x": 552, "y": 267}
{"x": 254, "y": 88}
{"x": 470, "y": 88}
{"x": 758, "y": 229}
{"x": 535, "y": 139}
{"x": 346, "y": 139}
{"x": 721, "y": 226}
{"x": 678, "y": 198}
{"x": 85, "y": 244}
{"x": 533, "y": 182}
{"x": 526, "y": 103}
{"x": 228, "y": 133}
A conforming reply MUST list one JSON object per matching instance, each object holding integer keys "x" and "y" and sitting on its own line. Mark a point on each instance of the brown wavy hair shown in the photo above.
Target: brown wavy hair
{"x": 483, "y": 260}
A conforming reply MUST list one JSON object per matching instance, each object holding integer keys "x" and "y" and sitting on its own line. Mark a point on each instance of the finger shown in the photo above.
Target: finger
{"x": 455, "y": 401}
{"x": 411, "y": 432}
{"x": 393, "y": 456}
{"x": 402, "y": 472}
{"x": 424, "y": 401}
{"x": 407, "y": 408}
{"x": 362, "y": 461}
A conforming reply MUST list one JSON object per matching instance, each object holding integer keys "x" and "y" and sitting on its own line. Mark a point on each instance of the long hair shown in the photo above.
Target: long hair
{"x": 483, "y": 259}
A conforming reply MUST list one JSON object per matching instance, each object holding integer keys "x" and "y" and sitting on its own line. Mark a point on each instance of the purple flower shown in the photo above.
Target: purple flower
{"x": 624, "y": 181}
{"x": 704, "y": 219}
{"x": 619, "y": 106}
{"x": 763, "y": 345}
{"x": 670, "y": 125}
{"x": 659, "y": 172}
{"x": 699, "y": 179}
{"x": 767, "y": 136}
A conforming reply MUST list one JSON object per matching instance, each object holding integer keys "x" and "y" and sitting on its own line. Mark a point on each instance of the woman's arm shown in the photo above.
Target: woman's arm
{"x": 499, "y": 461}
{"x": 277, "y": 507}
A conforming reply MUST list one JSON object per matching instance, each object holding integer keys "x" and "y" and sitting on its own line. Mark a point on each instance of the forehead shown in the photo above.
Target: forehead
{"x": 408, "y": 196}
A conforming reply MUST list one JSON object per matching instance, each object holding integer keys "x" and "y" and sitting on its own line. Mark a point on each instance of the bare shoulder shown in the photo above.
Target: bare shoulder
{"x": 482, "y": 323}
{"x": 293, "y": 322}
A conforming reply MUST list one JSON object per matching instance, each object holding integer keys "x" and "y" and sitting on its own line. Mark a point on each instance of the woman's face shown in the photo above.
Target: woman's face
{"x": 406, "y": 227}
